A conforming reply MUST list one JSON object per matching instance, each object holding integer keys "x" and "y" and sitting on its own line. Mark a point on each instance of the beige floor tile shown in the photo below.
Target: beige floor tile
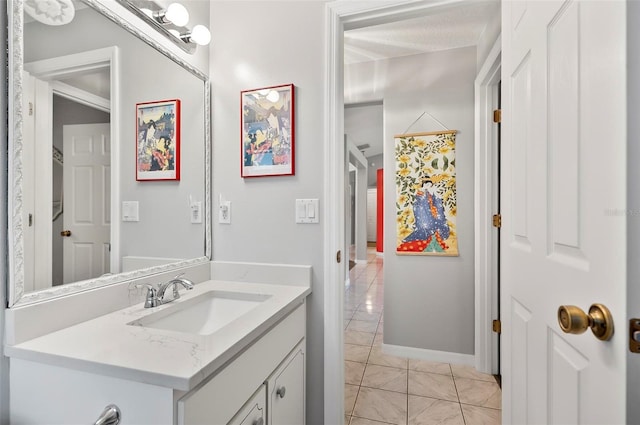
{"x": 371, "y": 308}
{"x": 428, "y": 411}
{"x": 366, "y": 316}
{"x": 346, "y": 324}
{"x": 380, "y": 405}
{"x": 347, "y": 419}
{"x": 356, "y": 353}
{"x": 479, "y": 393}
{"x": 358, "y": 338}
{"x": 353, "y": 372}
{"x": 350, "y": 394}
{"x": 385, "y": 378}
{"x": 432, "y": 385}
{"x": 474, "y": 415}
{"x": 377, "y": 341}
{"x": 377, "y": 357}
{"x": 362, "y": 421}
{"x": 470, "y": 372}
{"x": 430, "y": 367}
{"x": 362, "y": 326}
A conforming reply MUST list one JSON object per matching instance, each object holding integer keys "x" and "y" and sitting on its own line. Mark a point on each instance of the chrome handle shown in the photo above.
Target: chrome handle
{"x": 281, "y": 391}
{"x": 258, "y": 421}
{"x": 110, "y": 416}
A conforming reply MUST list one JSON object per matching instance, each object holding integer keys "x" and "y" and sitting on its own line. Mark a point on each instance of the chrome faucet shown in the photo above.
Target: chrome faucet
{"x": 155, "y": 296}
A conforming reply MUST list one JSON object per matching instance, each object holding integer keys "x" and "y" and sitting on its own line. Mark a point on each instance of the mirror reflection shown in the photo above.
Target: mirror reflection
{"x": 85, "y": 215}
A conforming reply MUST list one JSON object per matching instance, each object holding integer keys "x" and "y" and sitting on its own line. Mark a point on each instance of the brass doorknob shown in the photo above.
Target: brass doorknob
{"x": 573, "y": 320}
{"x": 65, "y": 233}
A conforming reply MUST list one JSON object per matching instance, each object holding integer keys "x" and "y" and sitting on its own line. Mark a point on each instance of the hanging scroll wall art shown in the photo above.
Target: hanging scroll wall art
{"x": 426, "y": 193}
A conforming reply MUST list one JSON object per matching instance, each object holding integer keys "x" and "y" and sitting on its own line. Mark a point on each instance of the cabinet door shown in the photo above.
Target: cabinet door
{"x": 287, "y": 390}
{"x": 253, "y": 412}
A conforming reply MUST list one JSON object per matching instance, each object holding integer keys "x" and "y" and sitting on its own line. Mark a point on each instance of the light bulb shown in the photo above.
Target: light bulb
{"x": 200, "y": 35}
{"x": 273, "y": 96}
{"x": 177, "y": 14}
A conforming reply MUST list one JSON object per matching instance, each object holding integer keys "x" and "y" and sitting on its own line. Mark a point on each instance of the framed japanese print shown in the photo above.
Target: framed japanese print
{"x": 158, "y": 140}
{"x": 267, "y": 131}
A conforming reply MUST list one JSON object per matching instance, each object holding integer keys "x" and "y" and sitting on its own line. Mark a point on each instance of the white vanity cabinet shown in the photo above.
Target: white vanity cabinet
{"x": 275, "y": 358}
{"x": 241, "y": 391}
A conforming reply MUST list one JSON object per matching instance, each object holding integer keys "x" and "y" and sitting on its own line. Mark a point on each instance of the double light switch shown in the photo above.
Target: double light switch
{"x": 307, "y": 211}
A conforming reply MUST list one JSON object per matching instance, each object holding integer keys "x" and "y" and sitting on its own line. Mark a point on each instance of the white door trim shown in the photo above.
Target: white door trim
{"x": 486, "y": 240}
{"x": 51, "y": 69}
{"x": 341, "y": 15}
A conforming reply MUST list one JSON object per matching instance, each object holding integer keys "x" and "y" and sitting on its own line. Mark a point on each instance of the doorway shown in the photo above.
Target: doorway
{"x": 341, "y": 19}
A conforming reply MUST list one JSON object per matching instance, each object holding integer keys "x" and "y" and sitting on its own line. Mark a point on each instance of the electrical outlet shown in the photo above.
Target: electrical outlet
{"x": 224, "y": 212}
{"x": 196, "y": 212}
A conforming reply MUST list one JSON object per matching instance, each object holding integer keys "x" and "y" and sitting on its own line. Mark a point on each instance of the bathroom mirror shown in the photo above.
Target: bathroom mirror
{"x": 78, "y": 216}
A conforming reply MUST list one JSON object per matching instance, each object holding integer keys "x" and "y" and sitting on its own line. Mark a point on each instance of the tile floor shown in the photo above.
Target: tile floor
{"x": 383, "y": 389}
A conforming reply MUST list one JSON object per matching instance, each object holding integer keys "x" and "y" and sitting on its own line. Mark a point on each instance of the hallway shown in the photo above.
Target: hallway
{"x": 383, "y": 389}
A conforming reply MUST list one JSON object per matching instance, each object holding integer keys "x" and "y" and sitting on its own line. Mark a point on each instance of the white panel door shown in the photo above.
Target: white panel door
{"x": 564, "y": 200}
{"x": 87, "y": 201}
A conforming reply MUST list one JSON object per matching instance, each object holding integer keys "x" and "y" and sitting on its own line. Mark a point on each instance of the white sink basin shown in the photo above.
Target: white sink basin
{"x": 204, "y": 314}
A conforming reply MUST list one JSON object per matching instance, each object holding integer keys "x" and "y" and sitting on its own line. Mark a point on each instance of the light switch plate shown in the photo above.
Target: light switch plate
{"x": 307, "y": 211}
{"x": 130, "y": 211}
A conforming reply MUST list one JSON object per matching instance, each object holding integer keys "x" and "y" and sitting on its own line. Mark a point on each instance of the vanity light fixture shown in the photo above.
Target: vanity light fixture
{"x": 175, "y": 14}
{"x": 199, "y": 35}
{"x": 171, "y": 22}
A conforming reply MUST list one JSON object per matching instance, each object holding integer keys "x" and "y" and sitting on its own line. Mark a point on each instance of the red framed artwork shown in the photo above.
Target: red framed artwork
{"x": 158, "y": 140}
{"x": 268, "y": 131}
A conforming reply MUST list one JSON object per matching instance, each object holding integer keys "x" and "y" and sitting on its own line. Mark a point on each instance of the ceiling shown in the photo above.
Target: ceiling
{"x": 452, "y": 28}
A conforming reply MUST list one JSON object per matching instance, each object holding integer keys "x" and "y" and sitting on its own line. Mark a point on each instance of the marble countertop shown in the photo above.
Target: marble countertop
{"x": 109, "y": 345}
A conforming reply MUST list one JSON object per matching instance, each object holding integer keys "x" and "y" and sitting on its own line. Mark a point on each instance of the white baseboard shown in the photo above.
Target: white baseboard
{"x": 379, "y": 254}
{"x": 430, "y": 355}
{"x": 361, "y": 261}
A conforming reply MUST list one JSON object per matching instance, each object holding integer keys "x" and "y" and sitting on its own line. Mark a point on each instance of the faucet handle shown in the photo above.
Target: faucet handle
{"x": 152, "y": 296}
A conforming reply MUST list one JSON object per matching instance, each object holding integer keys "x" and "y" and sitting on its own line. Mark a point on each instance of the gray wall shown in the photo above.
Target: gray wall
{"x": 375, "y": 163}
{"x": 422, "y": 291}
{"x": 4, "y": 361}
{"x": 363, "y": 124}
{"x": 258, "y": 44}
{"x": 633, "y": 219}
{"x": 146, "y": 75}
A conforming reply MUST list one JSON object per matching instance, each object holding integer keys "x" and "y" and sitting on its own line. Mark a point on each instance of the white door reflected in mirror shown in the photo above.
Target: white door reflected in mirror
{"x": 87, "y": 175}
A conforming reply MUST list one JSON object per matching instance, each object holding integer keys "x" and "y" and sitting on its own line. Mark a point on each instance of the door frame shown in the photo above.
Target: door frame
{"x": 341, "y": 16}
{"x": 52, "y": 69}
{"x": 486, "y": 271}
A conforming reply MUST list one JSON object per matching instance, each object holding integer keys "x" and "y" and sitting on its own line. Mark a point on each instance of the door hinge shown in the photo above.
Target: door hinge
{"x": 339, "y": 256}
{"x": 30, "y": 108}
{"x": 497, "y": 220}
{"x": 634, "y": 335}
{"x": 497, "y": 116}
{"x": 497, "y": 326}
